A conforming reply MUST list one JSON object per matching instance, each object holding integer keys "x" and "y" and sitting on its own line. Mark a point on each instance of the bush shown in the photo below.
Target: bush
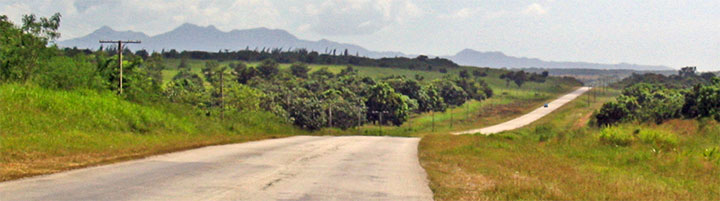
{"x": 544, "y": 132}
{"x": 68, "y": 73}
{"x": 616, "y": 136}
{"x": 658, "y": 138}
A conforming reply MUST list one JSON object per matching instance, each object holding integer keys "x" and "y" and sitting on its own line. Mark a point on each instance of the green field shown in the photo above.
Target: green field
{"x": 560, "y": 157}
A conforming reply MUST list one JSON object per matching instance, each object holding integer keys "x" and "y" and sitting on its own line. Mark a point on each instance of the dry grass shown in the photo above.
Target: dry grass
{"x": 573, "y": 164}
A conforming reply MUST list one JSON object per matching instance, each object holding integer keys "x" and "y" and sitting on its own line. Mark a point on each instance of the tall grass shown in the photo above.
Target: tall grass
{"x": 45, "y": 131}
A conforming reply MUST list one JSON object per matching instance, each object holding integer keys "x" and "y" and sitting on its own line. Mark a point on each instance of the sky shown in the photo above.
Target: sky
{"x": 674, "y": 33}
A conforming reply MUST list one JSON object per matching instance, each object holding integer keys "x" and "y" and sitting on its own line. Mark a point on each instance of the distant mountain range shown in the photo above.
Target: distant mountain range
{"x": 499, "y": 60}
{"x": 194, "y": 37}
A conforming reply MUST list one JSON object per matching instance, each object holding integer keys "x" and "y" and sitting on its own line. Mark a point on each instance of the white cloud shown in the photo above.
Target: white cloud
{"x": 535, "y": 9}
{"x": 359, "y": 17}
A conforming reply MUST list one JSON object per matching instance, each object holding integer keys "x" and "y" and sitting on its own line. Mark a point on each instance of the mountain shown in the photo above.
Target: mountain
{"x": 104, "y": 33}
{"x": 209, "y": 38}
{"x": 500, "y": 60}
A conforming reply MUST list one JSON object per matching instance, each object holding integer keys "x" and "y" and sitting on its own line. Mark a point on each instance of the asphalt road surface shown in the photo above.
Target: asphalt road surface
{"x": 529, "y": 117}
{"x": 294, "y": 168}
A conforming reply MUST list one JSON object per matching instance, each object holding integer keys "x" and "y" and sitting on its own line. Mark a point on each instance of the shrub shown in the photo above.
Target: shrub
{"x": 544, "y": 132}
{"x": 615, "y": 135}
{"x": 68, "y": 73}
{"x": 658, "y": 138}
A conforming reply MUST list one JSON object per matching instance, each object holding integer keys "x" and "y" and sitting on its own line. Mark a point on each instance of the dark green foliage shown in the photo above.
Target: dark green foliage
{"x": 308, "y": 113}
{"x": 210, "y": 71}
{"x": 475, "y": 89}
{"x": 154, "y": 66}
{"x": 642, "y": 102}
{"x": 464, "y": 74}
{"x": 349, "y": 70}
{"x": 186, "y": 87}
{"x": 69, "y": 73}
{"x": 299, "y": 70}
{"x": 383, "y": 99}
{"x": 23, "y": 49}
{"x": 685, "y": 78}
{"x": 450, "y": 92}
{"x": 478, "y": 73}
{"x": 426, "y": 100}
{"x": 247, "y": 74}
{"x": 238, "y": 67}
{"x": 703, "y": 101}
{"x": 268, "y": 68}
{"x": 322, "y": 74}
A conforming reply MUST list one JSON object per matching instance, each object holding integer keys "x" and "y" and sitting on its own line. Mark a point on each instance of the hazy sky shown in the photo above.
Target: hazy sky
{"x": 662, "y": 32}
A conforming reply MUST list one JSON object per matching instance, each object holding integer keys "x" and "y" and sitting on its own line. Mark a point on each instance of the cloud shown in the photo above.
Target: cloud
{"x": 534, "y": 9}
{"x": 359, "y": 17}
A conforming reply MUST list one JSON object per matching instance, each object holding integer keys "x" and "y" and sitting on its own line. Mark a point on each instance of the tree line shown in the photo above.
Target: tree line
{"x": 663, "y": 98}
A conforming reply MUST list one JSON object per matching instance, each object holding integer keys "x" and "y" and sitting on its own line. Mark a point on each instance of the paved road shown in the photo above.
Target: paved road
{"x": 295, "y": 168}
{"x": 529, "y": 117}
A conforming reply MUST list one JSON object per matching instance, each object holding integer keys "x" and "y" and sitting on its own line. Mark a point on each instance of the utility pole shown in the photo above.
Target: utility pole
{"x": 120, "y": 50}
{"x": 380, "y": 113}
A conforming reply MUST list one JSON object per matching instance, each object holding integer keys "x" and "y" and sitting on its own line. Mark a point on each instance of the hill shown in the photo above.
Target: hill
{"x": 209, "y": 38}
{"x": 500, "y": 60}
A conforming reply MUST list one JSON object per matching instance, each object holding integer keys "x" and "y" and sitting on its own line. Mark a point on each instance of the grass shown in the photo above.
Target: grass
{"x": 559, "y": 157}
{"x": 45, "y": 131}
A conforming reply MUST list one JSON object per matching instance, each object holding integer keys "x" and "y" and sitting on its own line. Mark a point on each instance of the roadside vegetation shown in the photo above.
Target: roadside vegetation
{"x": 563, "y": 157}
{"x": 62, "y": 108}
{"x": 645, "y": 142}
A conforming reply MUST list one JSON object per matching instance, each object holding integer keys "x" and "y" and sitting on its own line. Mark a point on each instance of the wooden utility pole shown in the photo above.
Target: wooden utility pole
{"x": 120, "y": 50}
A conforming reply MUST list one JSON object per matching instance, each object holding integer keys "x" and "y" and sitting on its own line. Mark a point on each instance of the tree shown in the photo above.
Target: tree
{"x": 349, "y": 70}
{"x": 142, "y": 54}
{"x": 154, "y": 66}
{"x": 183, "y": 63}
{"x": 322, "y": 74}
{"x": 238, "y": 67}
{"x": 210, "y": 71}
{"x": 383, "y": 100}
{"x": 299, "y": 70}
{"x": 450, "y": 92}
{"x": 268, "y": 68}
{"x": 22, "y": 50}
{"x": 247, "y": 74}
{"x": 687, "y": 71}
{"x": 464, "y": 74}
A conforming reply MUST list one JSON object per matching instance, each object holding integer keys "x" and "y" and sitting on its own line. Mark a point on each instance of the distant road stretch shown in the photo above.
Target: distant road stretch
{"x": 295, "y": 168}
{"x": 529, "y": 117}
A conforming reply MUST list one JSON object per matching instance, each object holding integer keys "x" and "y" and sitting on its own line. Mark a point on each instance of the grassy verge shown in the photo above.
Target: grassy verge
{"x": 45, "y": 131}
{"x": 559, "y": 157}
